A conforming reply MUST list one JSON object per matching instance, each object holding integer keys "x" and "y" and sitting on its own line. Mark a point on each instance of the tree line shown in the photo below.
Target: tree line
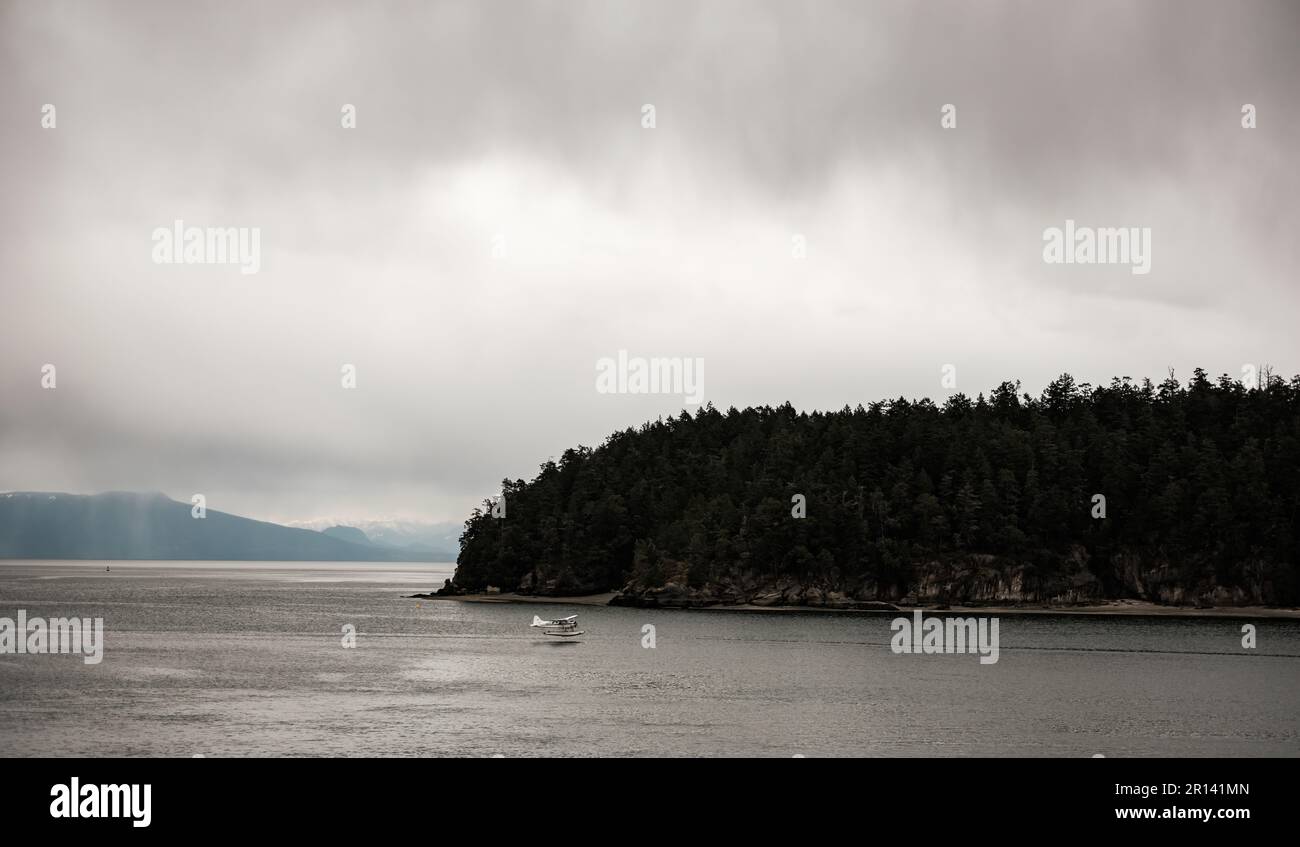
{"x": 1199, "y": 483}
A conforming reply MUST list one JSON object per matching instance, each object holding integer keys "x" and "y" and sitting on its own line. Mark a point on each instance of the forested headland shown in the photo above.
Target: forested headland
{"x": 1173, "y": 493}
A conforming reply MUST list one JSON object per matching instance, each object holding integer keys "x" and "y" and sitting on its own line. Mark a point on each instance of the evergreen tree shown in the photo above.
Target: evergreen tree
{"x": 1199, "y": 479}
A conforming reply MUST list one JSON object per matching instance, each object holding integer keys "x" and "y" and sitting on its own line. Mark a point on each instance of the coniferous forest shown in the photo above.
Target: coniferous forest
{"x": 1173, "y": 493}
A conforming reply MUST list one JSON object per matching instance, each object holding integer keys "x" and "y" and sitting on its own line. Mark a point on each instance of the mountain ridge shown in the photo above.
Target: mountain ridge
{"x": 124, "y": 525}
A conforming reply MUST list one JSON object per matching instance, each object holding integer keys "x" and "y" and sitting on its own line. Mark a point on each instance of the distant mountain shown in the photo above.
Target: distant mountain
{"x": 347, "y": 533}
{"x": 441, "y": 541}
{"x": 128, "y": 525}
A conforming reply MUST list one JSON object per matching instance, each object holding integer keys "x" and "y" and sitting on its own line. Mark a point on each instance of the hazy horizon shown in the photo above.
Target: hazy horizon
{"x": 317, "y": 523}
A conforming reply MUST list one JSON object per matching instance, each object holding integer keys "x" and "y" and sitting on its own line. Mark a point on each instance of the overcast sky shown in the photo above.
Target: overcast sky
{"x": 519, "y": 127}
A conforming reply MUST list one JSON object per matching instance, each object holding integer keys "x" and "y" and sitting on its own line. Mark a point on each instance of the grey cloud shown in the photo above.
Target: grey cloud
{"x": 523, "y": 119}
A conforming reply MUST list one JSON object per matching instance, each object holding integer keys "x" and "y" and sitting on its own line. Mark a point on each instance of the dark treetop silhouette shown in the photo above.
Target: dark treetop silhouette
{"x": 990, "y": 500}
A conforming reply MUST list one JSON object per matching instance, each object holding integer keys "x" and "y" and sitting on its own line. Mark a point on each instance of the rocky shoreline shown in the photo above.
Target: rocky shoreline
{"x": 674, "y": 596}
{"x": 972, "y": 581}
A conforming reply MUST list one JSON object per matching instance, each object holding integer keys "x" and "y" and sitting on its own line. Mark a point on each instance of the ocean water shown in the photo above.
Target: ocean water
{"x": 246, "y": 659}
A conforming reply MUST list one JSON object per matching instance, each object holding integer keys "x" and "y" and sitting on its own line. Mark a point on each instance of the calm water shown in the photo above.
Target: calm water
{"x": 245, "y": 659}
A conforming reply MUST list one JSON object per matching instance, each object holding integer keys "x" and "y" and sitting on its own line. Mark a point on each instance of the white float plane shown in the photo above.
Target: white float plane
{"x": 563, "y": 628}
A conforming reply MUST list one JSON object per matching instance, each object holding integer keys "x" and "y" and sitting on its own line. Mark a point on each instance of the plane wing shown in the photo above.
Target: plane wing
{"x": 571, "y": 619}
